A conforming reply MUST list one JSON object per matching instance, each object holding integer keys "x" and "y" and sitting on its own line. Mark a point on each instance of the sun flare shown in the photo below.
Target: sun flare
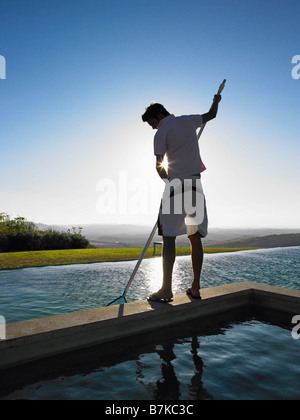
{"x": 164, "y": 164}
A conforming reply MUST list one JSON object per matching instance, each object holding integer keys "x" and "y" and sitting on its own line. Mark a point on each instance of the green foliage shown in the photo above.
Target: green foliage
{"x": 20, "y": 235}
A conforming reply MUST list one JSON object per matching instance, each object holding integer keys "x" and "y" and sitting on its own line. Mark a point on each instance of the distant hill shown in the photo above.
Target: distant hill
{"x": 121, "y": 236}
{"x": 270, "y": 241}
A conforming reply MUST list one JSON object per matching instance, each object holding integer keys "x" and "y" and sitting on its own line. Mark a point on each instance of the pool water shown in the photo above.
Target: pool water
{"x": 249, "y": 359}
{"x": 39, "y": 292}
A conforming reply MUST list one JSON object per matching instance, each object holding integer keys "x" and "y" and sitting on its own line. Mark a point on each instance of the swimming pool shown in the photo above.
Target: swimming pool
{"x": 247, "y": 357}
{"x": 40, "y": 292}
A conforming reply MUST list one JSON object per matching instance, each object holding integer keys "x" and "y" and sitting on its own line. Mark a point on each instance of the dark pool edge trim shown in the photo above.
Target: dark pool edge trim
{"x": 36, "y": 339}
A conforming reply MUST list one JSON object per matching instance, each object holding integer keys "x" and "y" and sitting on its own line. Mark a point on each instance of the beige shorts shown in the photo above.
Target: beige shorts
{"x": 183, "y": 209}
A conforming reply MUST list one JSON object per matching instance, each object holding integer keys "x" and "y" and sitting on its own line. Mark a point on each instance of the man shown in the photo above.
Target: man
{"x": 176, "y": 138}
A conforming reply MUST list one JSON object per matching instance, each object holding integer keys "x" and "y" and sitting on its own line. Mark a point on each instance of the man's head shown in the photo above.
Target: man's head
{"x": 154, "y": 113}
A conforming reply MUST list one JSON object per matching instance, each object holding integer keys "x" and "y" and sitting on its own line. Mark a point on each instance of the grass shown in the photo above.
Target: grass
{"x": 13, "y": 260}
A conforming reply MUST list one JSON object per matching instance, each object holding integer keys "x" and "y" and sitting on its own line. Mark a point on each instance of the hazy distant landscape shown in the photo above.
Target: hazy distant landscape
{"x": 120, "y": 236}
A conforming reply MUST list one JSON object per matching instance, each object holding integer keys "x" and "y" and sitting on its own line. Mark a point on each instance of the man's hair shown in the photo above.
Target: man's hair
{"x": 153, "y": 111}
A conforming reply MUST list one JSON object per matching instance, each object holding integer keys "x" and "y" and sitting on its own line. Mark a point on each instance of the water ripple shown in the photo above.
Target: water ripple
{"x": 38, "y": 292}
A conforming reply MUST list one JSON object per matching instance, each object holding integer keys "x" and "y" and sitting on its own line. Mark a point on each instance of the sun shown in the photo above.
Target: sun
{"x": 165, "y": 164}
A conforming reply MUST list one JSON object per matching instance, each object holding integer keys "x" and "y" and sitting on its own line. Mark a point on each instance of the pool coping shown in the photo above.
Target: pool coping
{"x": 31, "y": 340}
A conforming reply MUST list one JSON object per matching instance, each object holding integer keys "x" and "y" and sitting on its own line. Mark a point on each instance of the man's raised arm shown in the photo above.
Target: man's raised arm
{"x": 212, "y": 113}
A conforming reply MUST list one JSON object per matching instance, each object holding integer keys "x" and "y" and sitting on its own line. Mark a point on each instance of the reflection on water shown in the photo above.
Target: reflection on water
{"x": 153, "y": 274}
{"x": 38, "y": 292}
{"x": 237, "y": 361}
{"x": 167, "y": 386}
{"x": 223, "y": 360}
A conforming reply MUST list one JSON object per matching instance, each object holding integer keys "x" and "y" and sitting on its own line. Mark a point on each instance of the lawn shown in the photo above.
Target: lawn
{"x": 82, "y": 256}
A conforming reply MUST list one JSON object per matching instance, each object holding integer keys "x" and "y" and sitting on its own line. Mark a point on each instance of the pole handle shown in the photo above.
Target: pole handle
{"x": 221, "y": 87}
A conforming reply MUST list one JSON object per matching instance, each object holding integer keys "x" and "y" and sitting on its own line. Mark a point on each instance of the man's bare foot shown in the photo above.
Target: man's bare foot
{"x": 161, "y": 296}
{"x": 193, "y": 293}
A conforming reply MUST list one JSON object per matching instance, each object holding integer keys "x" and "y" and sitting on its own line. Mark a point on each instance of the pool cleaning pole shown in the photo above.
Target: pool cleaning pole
{"x": 140, "y": 259}
{"x": 123, "y": 296}
{"x": 221, "y": 87}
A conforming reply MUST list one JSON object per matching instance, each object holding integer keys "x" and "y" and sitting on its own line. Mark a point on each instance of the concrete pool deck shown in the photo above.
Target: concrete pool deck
{"x": 37, "y": 339}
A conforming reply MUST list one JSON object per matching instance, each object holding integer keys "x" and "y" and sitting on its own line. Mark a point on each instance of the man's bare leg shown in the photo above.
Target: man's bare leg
{"x": 169, "y": 255}
{"x": 197, "y": 262}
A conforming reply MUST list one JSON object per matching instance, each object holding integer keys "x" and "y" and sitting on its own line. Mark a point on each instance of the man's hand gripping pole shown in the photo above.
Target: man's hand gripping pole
{"x": 221, "y": 87}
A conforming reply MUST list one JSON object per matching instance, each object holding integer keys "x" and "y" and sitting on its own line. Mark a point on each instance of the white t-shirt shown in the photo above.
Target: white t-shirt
{"x": 176, "y": 138}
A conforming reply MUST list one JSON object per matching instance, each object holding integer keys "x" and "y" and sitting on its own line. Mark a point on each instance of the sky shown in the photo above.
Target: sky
{"x": 79, "y": 75}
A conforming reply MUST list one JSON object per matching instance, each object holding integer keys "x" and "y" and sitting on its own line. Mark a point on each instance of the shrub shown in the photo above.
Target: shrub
{"x": 20, "y": 235}
{"x": 79, "y": 241}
